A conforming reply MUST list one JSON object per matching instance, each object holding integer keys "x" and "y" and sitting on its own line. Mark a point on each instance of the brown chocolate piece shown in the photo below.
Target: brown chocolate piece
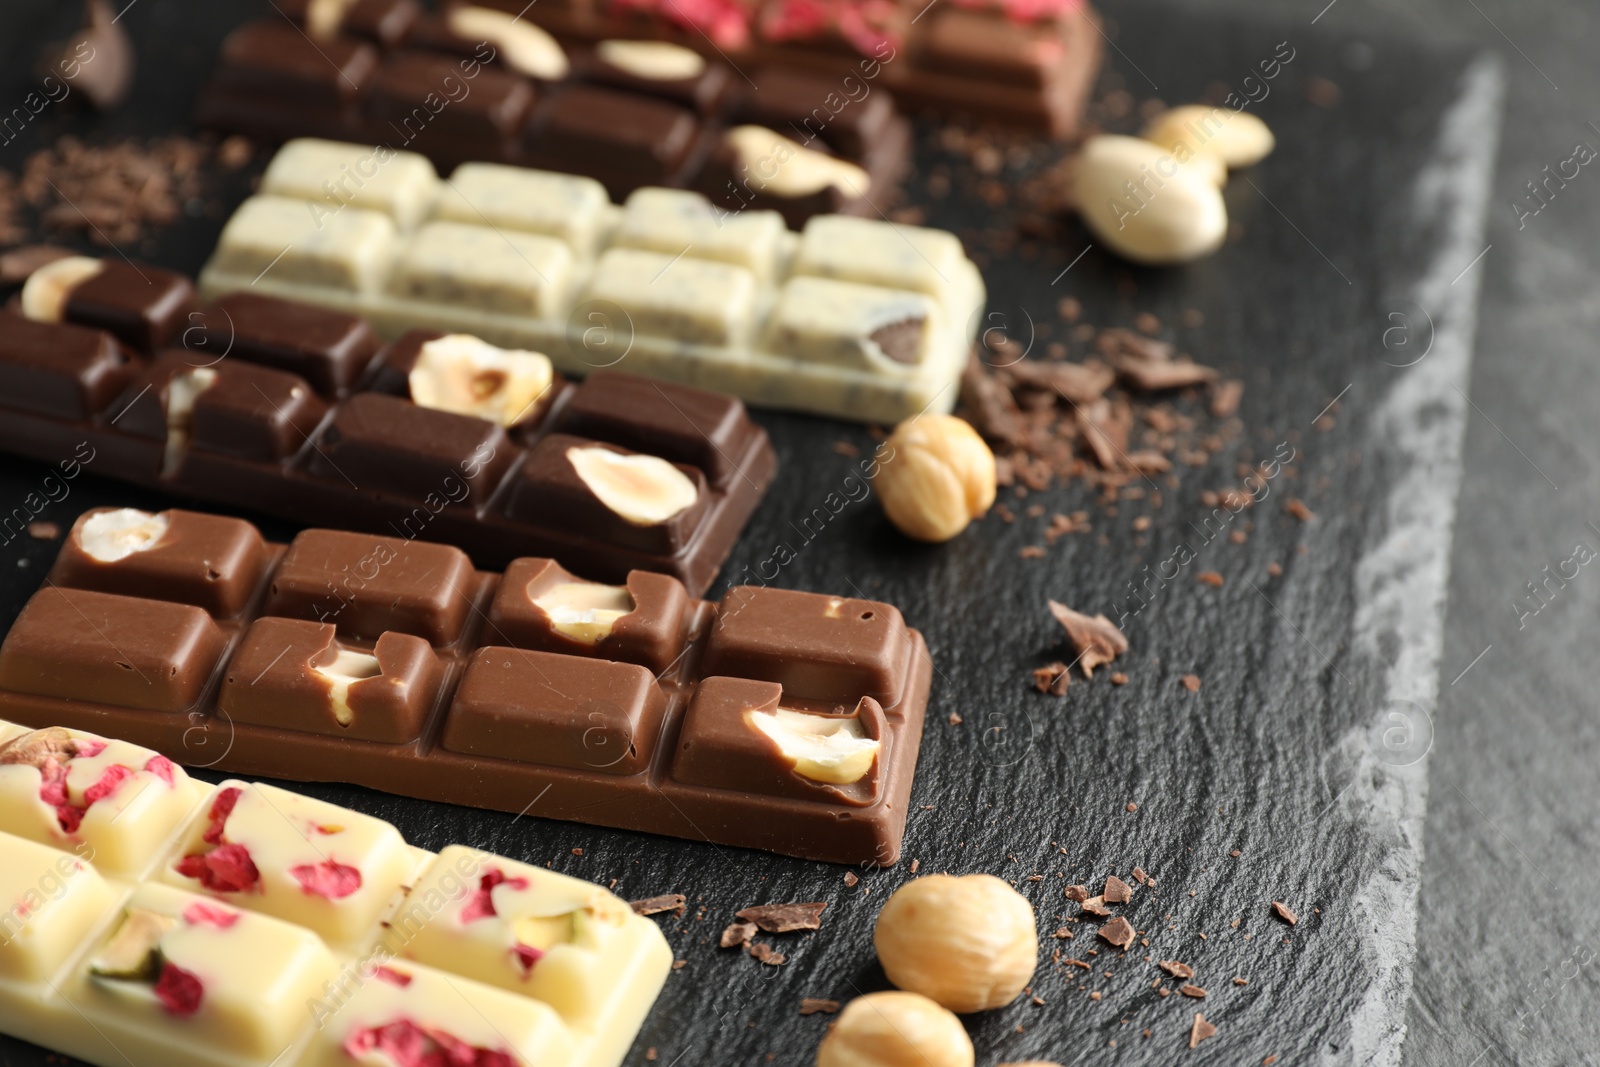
{"x": 849, "y": 648}
{"x": 77, "y": 645}
{"x": 210, "y": 561}
{"x": 389, "y": 445}
{"x": 784, "y": 918}
{"x": 1284, "y": 912}
{"x": 1117, "y": 891}
{"x": 737, "y": 935}
{"x": 622, "y": 140}
{"x": 371, "y": 660}
{"x": 417, "y": 96}
{"x": 1176, "y": 969}
{"x": 329, "y": 349}
{"x": 1202, "y": 1030}
{"x": 273, "y": 56}
{"x": 1118, "y": 932}
{"x": 813, "y": 1005}
{"x": 1096, "y": 638}
{"x": 66, "y": 371}
{"x": 144, "y": 307}
{"x": 656, "y": 905}
{"x": 370, "y": 585}
{"x": 272, "y": 681}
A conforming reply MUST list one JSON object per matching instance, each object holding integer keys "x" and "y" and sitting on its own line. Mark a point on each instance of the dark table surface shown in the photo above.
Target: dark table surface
{"x": 1502, "y": 970}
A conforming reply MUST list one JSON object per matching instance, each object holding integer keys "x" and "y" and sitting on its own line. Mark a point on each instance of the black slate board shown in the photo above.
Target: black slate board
{"x": 1289, "y": 752}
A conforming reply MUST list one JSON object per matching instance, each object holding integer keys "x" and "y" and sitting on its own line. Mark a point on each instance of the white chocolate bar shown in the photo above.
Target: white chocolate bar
{"x": 122, "y": 947}
{"x": 666, "y": 286}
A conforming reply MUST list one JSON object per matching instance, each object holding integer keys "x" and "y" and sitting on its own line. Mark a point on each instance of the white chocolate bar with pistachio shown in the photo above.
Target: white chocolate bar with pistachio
{"x": 151, "y": 920}
{"x": 861, "y": 319}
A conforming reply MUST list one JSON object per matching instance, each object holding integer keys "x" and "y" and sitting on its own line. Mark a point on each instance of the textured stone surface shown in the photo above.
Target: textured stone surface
{"x": 1287, "y": 753}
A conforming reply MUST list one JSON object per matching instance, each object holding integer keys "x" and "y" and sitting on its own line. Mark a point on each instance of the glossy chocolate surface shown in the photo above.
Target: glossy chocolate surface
{"x": 344, "y": 444}
{"x": 393, "y": 664}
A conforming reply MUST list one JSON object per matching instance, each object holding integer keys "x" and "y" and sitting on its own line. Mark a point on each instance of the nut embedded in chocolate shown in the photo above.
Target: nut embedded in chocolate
{"x": 134, "y": 952}
{"x": 643, "y": 490}
{"x": 38, "y": 747}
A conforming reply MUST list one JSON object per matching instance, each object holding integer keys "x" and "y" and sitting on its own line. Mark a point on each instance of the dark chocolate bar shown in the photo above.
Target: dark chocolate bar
{"x": 294, "y": 410}
{"x": 772, "y": 719}
{"x": 627, "y": 113}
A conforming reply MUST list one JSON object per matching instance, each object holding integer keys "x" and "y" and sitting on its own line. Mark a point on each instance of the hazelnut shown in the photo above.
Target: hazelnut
{"x": 895, "y": 1030}
{"x": 1148, "y": 205}
{"x": 461, "y": 374}
{"x": 795, "y": 169}
{"x": 652, "y": 60}
{"x": 110, "y": 536}
{"x": 44, "y": 295}
{"x": 643, "y": 490}
{"x": 1236, "y": 138}
{"x": 524, "y": 47}
{"x": 938, "y": 477}
{"x": 823, "y": 748}
{"x": 968, "y": 943}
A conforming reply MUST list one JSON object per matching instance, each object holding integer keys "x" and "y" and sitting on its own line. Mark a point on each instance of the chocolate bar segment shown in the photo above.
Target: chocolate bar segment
{"x": 144, "y": 307}
{"x": 69, "y": 372}
{"x": 331, "y": 350}
{"x": 389, "y": 445}
{"x": 154, "y": 919}
{"x": 772, "y": 719}
{"x": 73, "y": 644}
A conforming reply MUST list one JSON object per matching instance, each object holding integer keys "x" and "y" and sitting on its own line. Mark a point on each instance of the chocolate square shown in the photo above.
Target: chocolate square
{"x": 329, "y": 349}
{"x": 276, "y": 60}
{"x": 808, "y": 106}
{"x": 210, "y": 561}
{"x": 413, "y": 98}
{"x": 652, "y": 634}
{"x": 68, "y": 372}
{"x": 255, "y": 413}
{"x": 74, "y": 644}
{"x": 560, "y": 711}
{"x": 271, "y": 681}
{"x": 822, "y": 648}
{"x": 368, "y": 585}
{"x": 145, "y": 308}
{"x": 548, "y": 491}
{"x": 623, "y": 139}
{"x": 390, "y": 445}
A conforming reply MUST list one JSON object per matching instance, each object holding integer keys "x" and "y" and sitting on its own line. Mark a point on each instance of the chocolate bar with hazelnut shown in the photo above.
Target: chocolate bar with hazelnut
{"x": 770, "y": 719}
{"x": 473, "y": 84}
{"x": 159, "y": 921}
{"x": 300, "y": 411}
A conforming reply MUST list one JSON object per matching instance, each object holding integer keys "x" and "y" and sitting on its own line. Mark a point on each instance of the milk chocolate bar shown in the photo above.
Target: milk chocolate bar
{"x": 154, "y": 921}
{"x": 856, "y": 318}
{"x": 1027, "y": 63}
{"x": 771, "y": 719}
{"x": 301, "y": 411}
{"x": 475, "y": 85}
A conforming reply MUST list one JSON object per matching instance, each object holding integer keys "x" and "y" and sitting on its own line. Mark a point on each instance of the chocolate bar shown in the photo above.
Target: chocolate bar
{"x": 473, "y": 84}
{"x": 1028, "y": 63}
{"x": 155, "y": 921}
{"x": 856, "y": 318}
{"x": 771, "y": 719}
{"x": 300, "y": 411}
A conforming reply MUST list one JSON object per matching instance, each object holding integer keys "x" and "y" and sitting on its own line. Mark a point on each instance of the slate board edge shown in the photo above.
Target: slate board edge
{"x": 1403, "y": 577}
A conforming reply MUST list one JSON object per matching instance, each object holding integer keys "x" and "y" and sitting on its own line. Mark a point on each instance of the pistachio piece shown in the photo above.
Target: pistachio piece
{"x": 134, "y": 952}
{"x": 38, "y": 747}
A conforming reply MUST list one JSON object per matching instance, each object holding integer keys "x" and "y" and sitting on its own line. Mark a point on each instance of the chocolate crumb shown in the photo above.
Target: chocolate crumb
{"x": 851, "y": 878}
{"x": 1095, "y": 995}
{"x": 1077, "y": 963}
{"x": 44, "y": 531}
{"x": 656, "y": 905}
{"x": 845, "y": 448}
{"x": 1132, "y": 807}
{"x": 1211, "y": 578}
{"x": 914, "y": 865}
{"x": 767, "y": 954}
{"x": 1079, "y": 893}
{"x": 1225, "y": 397}
{"x": 784, "y": 918}
{"x": 1192, "y": 991}
{"x": 1236, "y": 853}
{"x": 1298, "y": 509}
{"x": 1119, "y": 679}
{"x": 1096, "y": 906}
{"x": 1052, "y": 678}
{"x": 679, "y": 965}
{"x": 1118, "y": 932}
{"x": 1275, "y": 569}
{"x": 1176, "y": 969}
{"x": 1283, "y": 912}
{"x": 1201, "y": 1030}
{"x": 737, "y": 934}
{"x": 577, "y": 852}
{"x": 1063, "y": 934}
{"x": 1241, "y": 981}
{"x": 955, "y": 719}
{"x": 1117, "y": 891}
{"x": 234, "y": 152}
{"x": 1191, "y": 682}
{"x": 813, "y": 1005}
{"x": 1141, "y": 876}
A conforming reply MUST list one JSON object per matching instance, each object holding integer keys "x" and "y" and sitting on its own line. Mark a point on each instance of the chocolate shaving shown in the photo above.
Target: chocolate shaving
{"x": 1118, "y": 932}
{"x": 1079, "y": 893}
{"x": 1283, "y": 912}
{"x": 783, "y": 918}
{"x": 767, "y": 954}
{"x": 1052, "y": 678}
{"x": 1192, "y": 991}
{"x": 1157, "y": 377}
{"x": 737, "y": 934}
{"x": 1096, "y": 906}
{"x": 1141, "y": 876}
{"x": 851, "y": 878}
{"x": 992, "y": 409}
{"x": 813, "y": 1005}
{"x": 656, "y": 905}
{"x": 1191, "y": 682}
{"x": 1105, "y": 426}
{"x": 1176, "y": 969}
{"x": 1118, "y": 344}
{"x": 1201, "y": 1030}
{"x": 1081, "y": 383}
{"x": 1117, "y": 891}
{"x": 1095, "y": 638}
{"x": 1225, "y": 397}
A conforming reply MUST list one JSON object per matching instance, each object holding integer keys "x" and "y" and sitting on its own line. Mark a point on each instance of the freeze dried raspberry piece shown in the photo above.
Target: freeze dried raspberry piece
{"x": 221, "y": 808}
{"x": 88, "y": 747}
{"x": 392, "y": 976}
{"x": 406, "y": 1044}
{"x": 179, "y": 991}
{"x": 328, "y": 879}
{"x": 110, "y": 780}
{"x": 526, "y": 956}
{"x": 201, "y": 912}
{"x": 162, "y": 768}
{"x": 225, "y": 869}
{"x": 481, "y": 906}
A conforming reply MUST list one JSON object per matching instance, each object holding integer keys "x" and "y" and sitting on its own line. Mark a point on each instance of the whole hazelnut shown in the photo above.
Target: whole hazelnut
{"x": 938, "y": 476}
{"x": 968, "y": 943}
{"x": 895, "y": 1030}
